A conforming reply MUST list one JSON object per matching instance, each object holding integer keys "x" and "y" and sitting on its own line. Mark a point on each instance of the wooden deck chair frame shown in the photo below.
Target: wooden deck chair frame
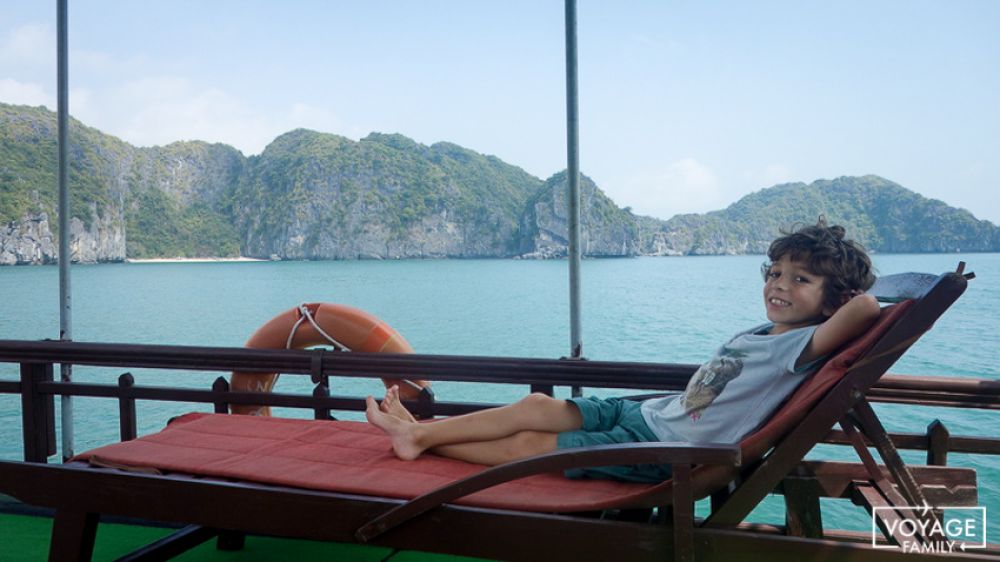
{"x": 846, "y": 404}
{"x": 80, "y": 493}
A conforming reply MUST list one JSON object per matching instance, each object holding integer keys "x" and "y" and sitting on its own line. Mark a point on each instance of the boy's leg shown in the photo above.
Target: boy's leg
{"x": 518, "y": 446}
{"x": 536, "y": 412}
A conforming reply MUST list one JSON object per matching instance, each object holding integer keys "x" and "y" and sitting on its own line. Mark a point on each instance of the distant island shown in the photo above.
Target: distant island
{"x": 313, "y": 195}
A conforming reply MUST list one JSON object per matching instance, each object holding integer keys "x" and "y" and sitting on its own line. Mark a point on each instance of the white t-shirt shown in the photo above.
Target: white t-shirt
{"x": 736, "y": 391}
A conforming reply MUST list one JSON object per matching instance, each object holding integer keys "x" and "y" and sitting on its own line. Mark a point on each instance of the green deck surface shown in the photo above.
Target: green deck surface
{"x": 25, "y": 538}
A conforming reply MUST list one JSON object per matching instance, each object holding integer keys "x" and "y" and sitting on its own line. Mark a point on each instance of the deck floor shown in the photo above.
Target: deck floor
{"x": 25, "y": 538}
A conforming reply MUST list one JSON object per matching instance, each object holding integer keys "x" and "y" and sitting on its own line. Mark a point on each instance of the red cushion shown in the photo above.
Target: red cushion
{"x": 338, "y": 456}
{"x": 355, "y": 457}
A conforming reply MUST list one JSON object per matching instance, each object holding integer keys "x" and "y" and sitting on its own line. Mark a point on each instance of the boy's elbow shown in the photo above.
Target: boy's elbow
{"x": 868, "y": 308}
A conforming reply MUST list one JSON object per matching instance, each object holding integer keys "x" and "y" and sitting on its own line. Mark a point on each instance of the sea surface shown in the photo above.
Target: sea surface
{"x": 644, "y": 309}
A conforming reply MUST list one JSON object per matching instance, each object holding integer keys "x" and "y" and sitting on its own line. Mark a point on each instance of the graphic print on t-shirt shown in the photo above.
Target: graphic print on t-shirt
{"x": 709, "y": 381}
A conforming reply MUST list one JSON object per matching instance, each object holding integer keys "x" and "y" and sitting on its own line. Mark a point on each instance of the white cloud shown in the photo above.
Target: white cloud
{"x": 93, "y": 60}
{"x": 131, "y": 97}
{"x": 359, "y": 131}
{"x": 147, "y": 107}
{"x": 158, "y": 110}
{"x": 772, "y": 174}
{"x": 162, "y": 109}
{"x": 81, "y": 105}
{"x": 24, "y": 93}
{"x": 768, "y": 176}
{"x": 33, "y": 43}
{"x": 683, "y": 186}
{"x": 311, "y": 117}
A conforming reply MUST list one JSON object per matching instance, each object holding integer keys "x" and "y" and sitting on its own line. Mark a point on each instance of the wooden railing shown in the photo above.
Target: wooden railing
{"x": 38, "y": 388}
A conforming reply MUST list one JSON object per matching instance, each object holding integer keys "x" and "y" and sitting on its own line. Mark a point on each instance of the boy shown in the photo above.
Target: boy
{"x": 813, "y": 296}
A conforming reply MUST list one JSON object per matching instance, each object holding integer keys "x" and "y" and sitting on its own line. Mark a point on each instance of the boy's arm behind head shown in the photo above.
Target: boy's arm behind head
{"x": 847, "y": 323}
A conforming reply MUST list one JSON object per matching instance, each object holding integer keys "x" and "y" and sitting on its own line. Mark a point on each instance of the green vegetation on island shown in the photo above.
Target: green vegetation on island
{"x": 312, "y": 195}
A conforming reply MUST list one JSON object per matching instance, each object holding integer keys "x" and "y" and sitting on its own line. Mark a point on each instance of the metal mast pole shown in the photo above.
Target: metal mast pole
{"x": 573, "y": 181}
{"x": 65, "y": 307}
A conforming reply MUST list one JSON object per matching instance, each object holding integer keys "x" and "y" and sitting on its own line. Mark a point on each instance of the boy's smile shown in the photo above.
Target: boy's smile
{"x": 793, "y": 296}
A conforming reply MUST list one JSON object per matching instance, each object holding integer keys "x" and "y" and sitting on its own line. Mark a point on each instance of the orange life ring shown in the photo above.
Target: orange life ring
{"x": 316, "y": 324}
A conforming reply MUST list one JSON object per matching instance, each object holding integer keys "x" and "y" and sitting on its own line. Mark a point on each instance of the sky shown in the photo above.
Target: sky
{"x": 684, "y": 107}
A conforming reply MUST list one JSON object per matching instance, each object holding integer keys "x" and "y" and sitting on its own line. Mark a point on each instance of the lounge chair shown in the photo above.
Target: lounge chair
{"x": 454, "y": 517}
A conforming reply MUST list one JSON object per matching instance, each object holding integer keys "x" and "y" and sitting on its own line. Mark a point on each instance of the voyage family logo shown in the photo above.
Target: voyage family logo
{"x": 957, "y": 530}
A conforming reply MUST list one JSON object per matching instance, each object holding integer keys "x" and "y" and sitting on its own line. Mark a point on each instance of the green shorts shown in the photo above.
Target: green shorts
{"x": 607, "y": 421}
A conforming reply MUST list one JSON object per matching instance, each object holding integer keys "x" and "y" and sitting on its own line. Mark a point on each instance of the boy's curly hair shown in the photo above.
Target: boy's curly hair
{"x": 844, "y": 264}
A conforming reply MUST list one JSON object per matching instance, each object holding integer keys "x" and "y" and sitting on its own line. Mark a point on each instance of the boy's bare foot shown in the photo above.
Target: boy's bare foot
{"x": 404, "y": 442}
{"x": 392, "y": 405}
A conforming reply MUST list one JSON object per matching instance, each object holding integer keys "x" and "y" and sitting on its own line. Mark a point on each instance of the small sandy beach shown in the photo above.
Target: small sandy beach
{"x": 190, "y": 260}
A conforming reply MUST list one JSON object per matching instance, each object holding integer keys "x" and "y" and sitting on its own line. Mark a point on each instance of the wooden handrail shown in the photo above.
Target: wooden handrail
{"x": 919, "y": 390}
{"x": 909, "y": 389}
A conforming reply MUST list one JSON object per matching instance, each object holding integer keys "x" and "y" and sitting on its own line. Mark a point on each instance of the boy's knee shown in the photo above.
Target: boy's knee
{"x": 537, "y": 399}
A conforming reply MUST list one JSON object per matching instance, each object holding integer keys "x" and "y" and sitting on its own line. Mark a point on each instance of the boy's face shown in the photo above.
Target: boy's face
{"x": 793, "y": 296}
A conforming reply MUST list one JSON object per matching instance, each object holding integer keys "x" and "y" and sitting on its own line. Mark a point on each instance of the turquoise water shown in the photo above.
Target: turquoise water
{"x": 645, "y": 309}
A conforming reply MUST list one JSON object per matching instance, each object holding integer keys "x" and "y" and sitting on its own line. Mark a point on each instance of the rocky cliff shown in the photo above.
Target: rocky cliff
{"x": 170, "y": 200}
{"x": 311, "y": 195}
{"x": 605, "y": 229}
{"x": 30, "y": 241}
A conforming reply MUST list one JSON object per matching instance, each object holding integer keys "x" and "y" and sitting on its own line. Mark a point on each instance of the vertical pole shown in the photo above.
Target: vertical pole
{"x": 65, "y": 306}
{"x": 573, "y": 180}
{"x": 573, "y": 186}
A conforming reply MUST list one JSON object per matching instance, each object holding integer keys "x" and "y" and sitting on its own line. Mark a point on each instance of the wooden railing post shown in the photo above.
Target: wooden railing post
{"x": 38, "y": 418}
{"x": 546, "y": 389}
{"x": 425, "y": 404}
{"x": 937, "y": 450}
{"x": 937, "y": 443}
{"x": 683, "y": 515}
{"x": 321, "y": 390}
{"x": 803, "y": 516}
{"x": 126, "y": 408}
{"x": 221, "y": 387}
